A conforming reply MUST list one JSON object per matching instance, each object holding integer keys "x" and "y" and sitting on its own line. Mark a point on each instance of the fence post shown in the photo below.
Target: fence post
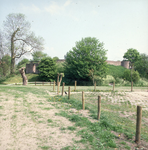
{"x": 58, "y": 88}
{"x": 113, "y": 86}
{"x": 99, "y": 106}
{"x": 53, "y": 85}
{"x": 50, "y": 83}
{"x": 95, "y": 86}
{"x": 69, "y": 92}
{"x": 35, "y": 83}
{"x": 83, "y": 101}
{"x": 75, "y": 85}
{"x": 131, "y": 86}
{"x": 138, "y": 124}
{"x": 63, "y": 88}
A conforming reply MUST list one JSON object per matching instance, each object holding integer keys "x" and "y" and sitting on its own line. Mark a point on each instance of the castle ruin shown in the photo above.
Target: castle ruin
{"x": 32, "y": 66}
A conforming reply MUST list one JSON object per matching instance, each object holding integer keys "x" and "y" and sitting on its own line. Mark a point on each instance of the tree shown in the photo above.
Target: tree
{"x": 22, "y": 63}
{"x": 142, "y": 65}
{"x": 38, "y": 55}
{"x": 47, "y": 69}
{"x": 5, "y": 64}
{"x": 23, "y": 41}
{"x": 22, "y": 72}
{"x": 86, "y": 60}
{"x": 132, "y": 55}
{"x": 55, "y": 58}
{"x": 135, "y": 76}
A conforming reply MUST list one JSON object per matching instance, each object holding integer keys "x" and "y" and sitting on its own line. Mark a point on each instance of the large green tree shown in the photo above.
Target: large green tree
{"x": 142, "y": 65}
{"x": 86, "y": 60}
{"x": 47, "y": 69}
{"x": 20, "y": 40}
{"x": 38, "y": 55}
{"x": 5, "y": 65}
{"x": 132, "y": 55}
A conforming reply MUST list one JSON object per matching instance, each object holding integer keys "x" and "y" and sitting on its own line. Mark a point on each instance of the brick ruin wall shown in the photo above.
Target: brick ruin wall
{"x": 32, "y": 67}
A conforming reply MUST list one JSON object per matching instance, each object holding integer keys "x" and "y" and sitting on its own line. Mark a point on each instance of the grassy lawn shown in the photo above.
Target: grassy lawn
{"x": 35, "y": 117}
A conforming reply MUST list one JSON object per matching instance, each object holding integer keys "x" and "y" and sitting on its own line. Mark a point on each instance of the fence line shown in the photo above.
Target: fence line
{"x": 36, "y": 82}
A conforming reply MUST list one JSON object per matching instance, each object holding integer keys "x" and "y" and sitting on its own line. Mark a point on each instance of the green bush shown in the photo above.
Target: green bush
{"x": 47, "y": 68}
{"x": 116, "y": 71}
{"x": 135, "y": 75}
{"x": 109, "y": 79}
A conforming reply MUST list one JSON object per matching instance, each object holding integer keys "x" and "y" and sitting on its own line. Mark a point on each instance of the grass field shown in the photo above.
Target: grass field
{"x": 35, "y": 117}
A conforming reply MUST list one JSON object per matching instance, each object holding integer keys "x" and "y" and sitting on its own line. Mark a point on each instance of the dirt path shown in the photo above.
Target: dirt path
{"x": 30, "y": 123}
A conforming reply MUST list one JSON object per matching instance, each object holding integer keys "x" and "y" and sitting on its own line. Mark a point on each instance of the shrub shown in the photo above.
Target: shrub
{"x": 135, "y": 76}
{"x": 47, "y": 68}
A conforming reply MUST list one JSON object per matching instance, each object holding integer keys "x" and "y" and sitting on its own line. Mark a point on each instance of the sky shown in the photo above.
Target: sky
{"x": 119, "y": 24}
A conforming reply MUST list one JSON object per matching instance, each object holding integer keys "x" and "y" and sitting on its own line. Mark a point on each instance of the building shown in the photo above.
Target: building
{"x": 32, "y": 66}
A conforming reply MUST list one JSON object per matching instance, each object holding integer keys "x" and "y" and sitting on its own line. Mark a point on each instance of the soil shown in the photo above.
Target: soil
{"x": 31, "y": 123}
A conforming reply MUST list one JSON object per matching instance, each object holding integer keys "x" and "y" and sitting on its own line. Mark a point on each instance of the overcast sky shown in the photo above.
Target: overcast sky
{"x": 119, "y": 24}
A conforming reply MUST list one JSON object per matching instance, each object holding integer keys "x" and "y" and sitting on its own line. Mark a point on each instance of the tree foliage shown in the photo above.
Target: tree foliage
{"x": 5, "y": 65}
{"x": 86, "y": 60}
{"x": 132, "y": 55}
{"x": 38, "y": 55}
{"x": 135, "y": 75}
{"x": 20, "y": 40}
{"x": 47, "y": 69}
{"x": 22, "y": 63}
{"x": 142, "y": 65}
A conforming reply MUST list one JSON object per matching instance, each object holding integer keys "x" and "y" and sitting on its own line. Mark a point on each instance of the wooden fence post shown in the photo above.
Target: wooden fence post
{"x": 75, "y": 85}
{"x": 131, "y": 86}
{"x": 69, "y": 92}
{"x": 113, "y": 86}
{"x": 99, "y": 106}
{"x": 63, "y": 88}
{"x": 138, "y": 124}
{"x": 95, "y": 86}
{"x": 83, "y": 101}
{"x": 35, "y": 83}
{"x": 53, "y": 85}
{"x": 58, "y": 88}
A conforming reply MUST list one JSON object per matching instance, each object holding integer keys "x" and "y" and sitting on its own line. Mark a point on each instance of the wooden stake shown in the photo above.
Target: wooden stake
{"x": 63, "y": 89}
{"x": 138, "y": 124}
{"x": 113, "y": 86}
{"x": 69, "y": 92}
{"x": 53, "y": 85}
{"x": 83, "y": 101}
{"x": 57, "y": 79}
{"x": 95, "y": 86}
{"x": 131, "y": 86}
{"x": 58, "y": 88}
{"x": 75, "y": 85}
{"x": 99, "y": 106}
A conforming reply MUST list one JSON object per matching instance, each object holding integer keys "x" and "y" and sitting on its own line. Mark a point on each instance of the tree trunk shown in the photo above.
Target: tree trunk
{"x": 22, "y": 71}
{"x": 12, "y": 52}
{"x": 60, "y": 78}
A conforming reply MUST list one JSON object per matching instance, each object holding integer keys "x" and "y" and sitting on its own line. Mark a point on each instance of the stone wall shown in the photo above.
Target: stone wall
{"x": 31, "y": 68}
